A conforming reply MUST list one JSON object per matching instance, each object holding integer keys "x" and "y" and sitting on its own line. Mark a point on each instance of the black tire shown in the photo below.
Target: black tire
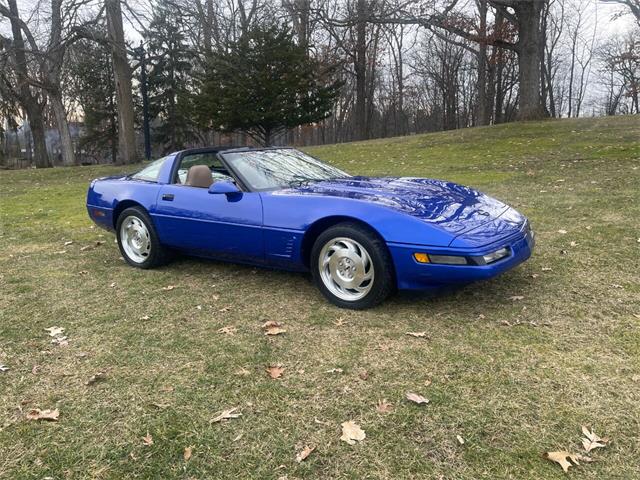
{"x": 383, "y": 283}
{"x": 157, "y": 255}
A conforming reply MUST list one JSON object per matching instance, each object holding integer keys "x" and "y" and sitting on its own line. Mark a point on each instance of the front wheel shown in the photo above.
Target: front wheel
{"x": 352, "y": 267}
{"x": 138, "y": 241}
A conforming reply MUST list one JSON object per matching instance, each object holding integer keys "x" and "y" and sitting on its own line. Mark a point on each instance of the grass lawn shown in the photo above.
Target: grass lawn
{"x": 513, "y": 366}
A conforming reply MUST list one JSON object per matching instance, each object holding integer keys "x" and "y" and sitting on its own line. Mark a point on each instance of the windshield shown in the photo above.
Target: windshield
{"x": 278, "y": 168}
{"x": 150, "y": 172}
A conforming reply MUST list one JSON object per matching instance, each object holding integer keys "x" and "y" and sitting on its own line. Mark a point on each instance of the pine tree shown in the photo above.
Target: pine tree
{"x": 263, "y": 84}
{"x": 92, "y": 85}
{"x": 170, "y": 78}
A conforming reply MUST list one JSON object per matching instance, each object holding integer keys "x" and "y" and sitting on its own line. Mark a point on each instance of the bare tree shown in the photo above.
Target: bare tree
{"x": 122, "y": 73}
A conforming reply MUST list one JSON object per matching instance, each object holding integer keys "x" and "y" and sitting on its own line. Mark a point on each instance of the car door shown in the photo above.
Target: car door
{"x": 222, "y": 225}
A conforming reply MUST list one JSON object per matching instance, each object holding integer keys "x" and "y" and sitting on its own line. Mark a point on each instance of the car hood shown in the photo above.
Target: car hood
{"x": 453, "y": 208}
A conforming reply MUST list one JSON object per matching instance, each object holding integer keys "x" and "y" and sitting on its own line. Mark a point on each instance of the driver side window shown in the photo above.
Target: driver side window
{"x": 209, "y": 159}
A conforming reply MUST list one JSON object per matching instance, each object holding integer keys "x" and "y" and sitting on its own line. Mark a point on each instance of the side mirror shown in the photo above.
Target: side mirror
{"x": 224, "y": 186}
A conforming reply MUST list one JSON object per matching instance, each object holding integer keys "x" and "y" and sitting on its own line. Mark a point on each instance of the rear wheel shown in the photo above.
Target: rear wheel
{"x": 138, "y": 241}
{"x": 351, "y": 266}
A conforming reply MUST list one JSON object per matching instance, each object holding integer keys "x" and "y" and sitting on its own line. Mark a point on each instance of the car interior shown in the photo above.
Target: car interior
{"x": 201, "y": 170}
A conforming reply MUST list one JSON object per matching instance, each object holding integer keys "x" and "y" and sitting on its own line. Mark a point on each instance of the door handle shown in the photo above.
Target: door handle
{"x": 168, "y": 197}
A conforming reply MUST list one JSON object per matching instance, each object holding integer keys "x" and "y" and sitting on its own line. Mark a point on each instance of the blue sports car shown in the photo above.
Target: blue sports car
{"x": 361, "y": 237}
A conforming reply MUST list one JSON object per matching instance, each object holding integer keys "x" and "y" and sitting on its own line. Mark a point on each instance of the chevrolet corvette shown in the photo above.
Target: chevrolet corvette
{"x": 360, "y": 237}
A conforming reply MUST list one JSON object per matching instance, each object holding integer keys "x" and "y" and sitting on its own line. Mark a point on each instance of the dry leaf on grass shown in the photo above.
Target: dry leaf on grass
{"x": 275, "y": 371}
{"x": 306, "y": 451}
{"x": 55, "y": 331}
{"x": 226, "y": 415}
{"x": 363, "y": 375}
{"x": 274, "y": 331}
{"x": 592, "y": 440}
{"x": 566, "y": 459}
{"x": 3, "y": 368}
{"x": 334, "y": 370}
{"x": 188, "y": 451}
{"x": 96, "y": 378}
{"x": 147, "y": 440}
{"x": 415, "y": 398}
{"x": 352, "y": 433}
{"x": 270, "y": 324}
{"x": 417, "y": 334}
{"x": 37, "y": 414}
{"x": 383, "y": 406}
{"x": 228, "y": 330}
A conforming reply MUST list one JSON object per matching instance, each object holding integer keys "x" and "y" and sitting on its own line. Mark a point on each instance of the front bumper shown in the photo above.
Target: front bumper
{"x": 412, "y": 275}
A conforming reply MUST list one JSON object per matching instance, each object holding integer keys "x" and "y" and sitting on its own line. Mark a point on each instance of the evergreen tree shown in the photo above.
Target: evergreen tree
{"x": 170, "y": 78}
{"x": 263, "y": 84}
{"x": 92, "y": 85}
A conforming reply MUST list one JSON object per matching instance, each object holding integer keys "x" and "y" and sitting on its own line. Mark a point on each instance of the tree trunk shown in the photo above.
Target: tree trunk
{"x": 360, "y": 68}
{"x": 66, "y": 144}
{"x": 29, "y": 102}
{"x": 38, "y": 135}
{"x": 122, "y": 74}
{"x": 482, "y": 115}
{"x": 56, "y": 59}
{"x": 529, "y": 59}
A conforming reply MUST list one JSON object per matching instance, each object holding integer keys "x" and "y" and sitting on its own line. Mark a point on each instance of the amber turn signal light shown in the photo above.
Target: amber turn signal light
{"x": 421, "y": 257}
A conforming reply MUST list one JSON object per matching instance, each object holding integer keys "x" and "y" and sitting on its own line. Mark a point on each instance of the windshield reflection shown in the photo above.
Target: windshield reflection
{"x": 278, "y": 168}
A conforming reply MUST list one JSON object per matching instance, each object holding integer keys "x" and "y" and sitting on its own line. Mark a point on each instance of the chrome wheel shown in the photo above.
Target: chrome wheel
{"x": 135, "y": 239}
{"x": 346, "y": 269}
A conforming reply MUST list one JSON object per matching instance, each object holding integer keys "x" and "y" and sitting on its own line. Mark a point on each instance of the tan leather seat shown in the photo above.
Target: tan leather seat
{"x": 199, "y": 176}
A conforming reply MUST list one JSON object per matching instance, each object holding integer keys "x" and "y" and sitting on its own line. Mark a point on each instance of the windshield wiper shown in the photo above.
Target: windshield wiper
{"x": 301, "y": 180}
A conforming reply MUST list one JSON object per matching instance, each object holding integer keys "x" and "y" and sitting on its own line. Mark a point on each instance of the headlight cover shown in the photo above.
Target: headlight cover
{"x": 495, "y": 256}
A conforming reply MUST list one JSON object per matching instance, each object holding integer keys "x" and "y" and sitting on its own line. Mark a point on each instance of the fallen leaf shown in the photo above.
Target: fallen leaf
{"x": 270, "y": 324}
{"x": 96, "y": 378}
{"x": 352, "y": 433}
{"x": 334, "y": 370}
{"x": 55, "y": 331}
{"x": 228, "y": 330}
{"x": 383, "y": 406}
{"x": 226, "y": 415}
{"x": 168, "y": 288}
{"x": 37, "y": 414}
{"x": 419, "y": 399}
{"x": 417, "y": 334}
{"x": 147, "y": 440}
{"x": 364, "y": 375}
{"x": 339, "y": 322}
{"x": 274, "y": 331}
{"x": 592, "y": 440}
{"x": 306, "y": 451}
{"x": 275, "y": 371}
{"x": 187, "y": 453}
{"x": 62, "y": 341}
{"x": 3, "y": 368}
{"x": 566, "y": 459}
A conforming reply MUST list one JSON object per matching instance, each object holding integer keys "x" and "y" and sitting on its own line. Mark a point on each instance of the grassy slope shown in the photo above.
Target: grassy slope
{"x": 569, "y": 355}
